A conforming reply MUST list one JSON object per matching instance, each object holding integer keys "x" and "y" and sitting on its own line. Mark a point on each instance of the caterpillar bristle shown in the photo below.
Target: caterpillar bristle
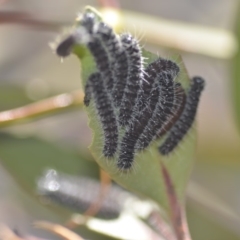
{"x": 186, "y": 119}
{"x": 135, "y": 105}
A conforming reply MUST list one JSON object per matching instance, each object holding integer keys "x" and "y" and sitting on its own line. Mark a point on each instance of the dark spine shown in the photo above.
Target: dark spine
{"x": 134, "y": 130}
{"x": 110, "y": 41}
{"x": 102, "y": 62}
{"x": 164, "y": 104}
{"x": 150, "y": 74}
{"x": 179, "y": 104}
{"x": 118, "y": 57}
{"x": 106, "y": 115}
{"x": 121, "y": 73}
{"x": 97, "y": 50}
{"x": 184, "y": 123}
{"x": 146, "y": 104}
{"x": 134, "y": 78}
{"x": 88, "y": 94}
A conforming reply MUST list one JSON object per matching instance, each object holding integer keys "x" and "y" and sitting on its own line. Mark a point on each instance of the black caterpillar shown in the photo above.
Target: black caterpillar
{"x": 105, "y": 112}
{"x": 146, "y": 103}
{"x": 186, "y": 119}
{"x": 164, "y": 103}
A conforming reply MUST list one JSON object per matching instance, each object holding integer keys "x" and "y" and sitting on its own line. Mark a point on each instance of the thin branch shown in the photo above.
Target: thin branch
{"x": 38, "y": 109}
{"x": 178, "y": 217}
{"x": 26, "y": 19}
{"x": 59, "y": 230}
{"x": 105, "y": 181}
{"x": 95, "y": 206}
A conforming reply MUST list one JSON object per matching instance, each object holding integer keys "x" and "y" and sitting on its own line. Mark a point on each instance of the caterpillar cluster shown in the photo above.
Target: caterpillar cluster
{"x": 144, "y": 102}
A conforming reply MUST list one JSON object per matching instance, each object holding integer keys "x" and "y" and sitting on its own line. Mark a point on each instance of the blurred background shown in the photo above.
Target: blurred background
{"x": 30, "y": 71}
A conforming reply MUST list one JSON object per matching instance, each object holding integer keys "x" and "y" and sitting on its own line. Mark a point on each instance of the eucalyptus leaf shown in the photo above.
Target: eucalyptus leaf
{"x": 145, "y": 178}
{"x": 27, "y": 158}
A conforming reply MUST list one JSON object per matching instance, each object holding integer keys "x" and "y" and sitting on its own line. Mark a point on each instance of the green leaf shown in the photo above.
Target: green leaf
{"x": 146, "y": 178}
{"x": 27, "y": 158}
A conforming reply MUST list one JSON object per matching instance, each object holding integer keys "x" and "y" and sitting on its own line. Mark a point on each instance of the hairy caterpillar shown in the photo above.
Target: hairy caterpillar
{"x": 164, "y": 104}
{"x": 134, "y": 105}
{"x": 185, "y": 121}
{"x": 134, "y": 78}
{"x": 106, "y": 114}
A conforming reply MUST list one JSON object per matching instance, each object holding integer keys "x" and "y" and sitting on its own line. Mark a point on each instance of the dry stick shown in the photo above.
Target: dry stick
{"x": 178, "y": 217}
{"x": 47, "y": 106}
{"x": 23, "y": 18}
{"x": 59, "y": 230}
{"x": 93, "y": 209}
{"x": 105, "y": 181}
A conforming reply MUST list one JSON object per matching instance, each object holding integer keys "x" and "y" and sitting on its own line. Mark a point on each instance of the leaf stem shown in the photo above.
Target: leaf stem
{"x": 93, "y": 209}
{"x": 24, "y": 18}
{"x": 59, "y": 230}
{"x": 178, "y": 217}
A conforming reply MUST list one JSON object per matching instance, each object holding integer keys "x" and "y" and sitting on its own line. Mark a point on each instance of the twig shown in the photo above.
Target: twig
{"x": 105, "y": 181}
{"x": 59, "y": 230}
{"x": 38, "y": 109}
{"x": 93, "y": 209}
{"x": 26, "y": 19}
{"x": 177, "y": 212}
